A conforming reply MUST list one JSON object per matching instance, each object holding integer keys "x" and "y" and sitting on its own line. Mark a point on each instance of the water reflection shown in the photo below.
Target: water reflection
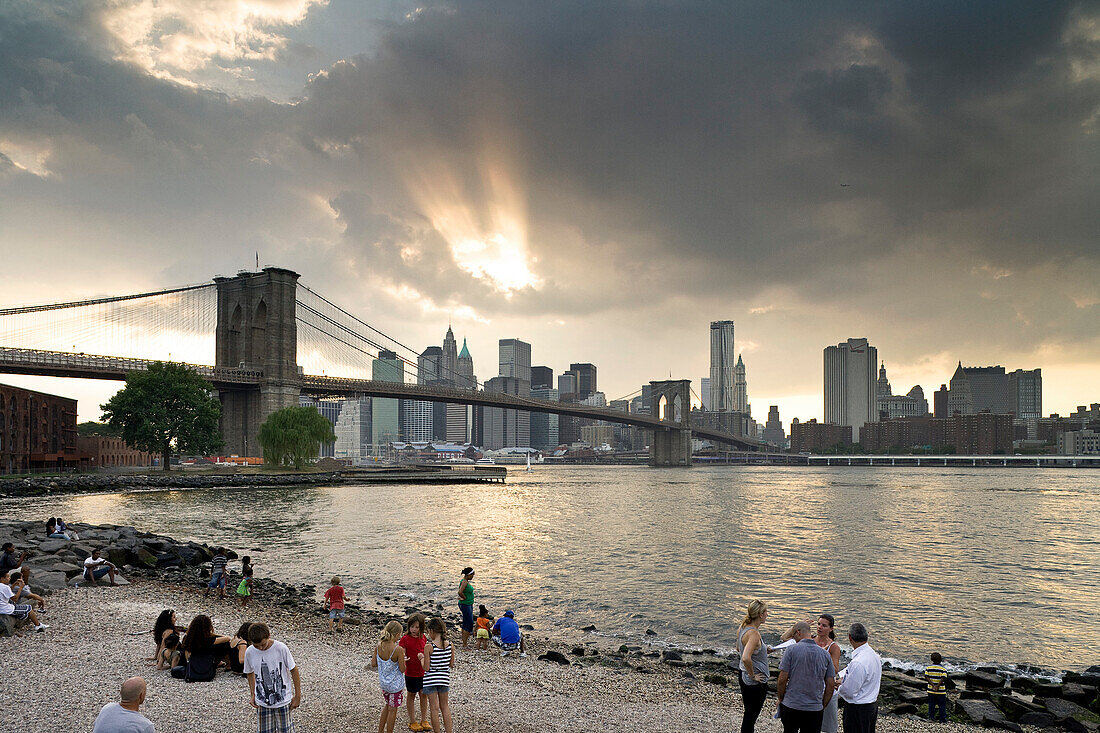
{"x": 978, "y": 564}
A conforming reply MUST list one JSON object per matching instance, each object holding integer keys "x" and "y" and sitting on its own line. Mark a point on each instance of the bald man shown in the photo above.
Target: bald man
{"x": 123, "y": 717}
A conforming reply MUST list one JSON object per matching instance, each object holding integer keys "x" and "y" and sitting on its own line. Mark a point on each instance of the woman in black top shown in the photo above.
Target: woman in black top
{"x": 201, "y": 639}
{"x": 237, "y": 646}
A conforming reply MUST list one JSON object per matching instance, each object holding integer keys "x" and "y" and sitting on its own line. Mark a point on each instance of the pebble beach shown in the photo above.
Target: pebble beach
{"x": 69, "y": 671}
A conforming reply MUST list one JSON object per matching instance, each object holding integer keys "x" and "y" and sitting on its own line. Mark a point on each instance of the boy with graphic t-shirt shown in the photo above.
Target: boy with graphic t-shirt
{"x": 271, "y": 669}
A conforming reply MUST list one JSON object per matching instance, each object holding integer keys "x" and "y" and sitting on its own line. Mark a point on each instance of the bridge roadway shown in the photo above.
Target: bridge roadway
{"x": 90, "y": 366}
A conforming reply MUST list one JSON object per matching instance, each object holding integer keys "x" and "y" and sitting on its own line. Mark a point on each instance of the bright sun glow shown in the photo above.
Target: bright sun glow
{"x": 486, "y": 231}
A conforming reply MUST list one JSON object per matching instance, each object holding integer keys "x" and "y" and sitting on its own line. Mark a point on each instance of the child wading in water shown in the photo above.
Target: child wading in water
{"x": 334, "y": 601}
{"x": 484, "y": 622}
{"x": 244, "y": 590}
{"x": 413, "y": 644}
{"x": 438, "y": 659}
{"x": 389, "y": 658}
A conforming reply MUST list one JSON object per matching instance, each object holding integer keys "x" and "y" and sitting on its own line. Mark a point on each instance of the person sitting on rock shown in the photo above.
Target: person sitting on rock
{"x": 507, "y": 636}
{"x": 66, "y": 530}
{"x": 95, "y": 567}
{"x": 21, "y": 590}
{"x": 21, "y": 611}
{"x": 52, "y": 531}
{"x": 8, "y": 561}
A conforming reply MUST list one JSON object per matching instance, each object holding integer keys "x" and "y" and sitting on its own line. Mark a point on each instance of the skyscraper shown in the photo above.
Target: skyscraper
{"x": 542, "y": 377}
{"x": 449, "y": 367}
{"x": 1025, "y": 393}
{"x": 704, "y": 392}
{"x": 460, "y": 418}
{"x": 353, "y": 430}
{"x": 586, "y": 378}
{"x": 544, "y": 426}
{"x": 515, "y": 359}
{"x": 850, "y": 384}
{"x": 385, "y": 412}
{"x": 721, "y": 366}
{"x": 506, "y": 428}
{"x": 567, "y": 383}
{"x": 740, "y": 387}
{"x": 420, "y": 415}
{"x": 773, "y": 429}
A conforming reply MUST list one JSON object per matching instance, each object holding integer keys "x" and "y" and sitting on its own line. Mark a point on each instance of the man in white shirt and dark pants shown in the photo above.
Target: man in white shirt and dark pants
{"x": 861, "y": 679}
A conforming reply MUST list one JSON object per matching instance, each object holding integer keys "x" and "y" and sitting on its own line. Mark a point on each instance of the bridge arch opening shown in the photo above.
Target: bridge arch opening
{"x": 259, "y": 333}
{"x": 662, "y": 408}
{"x": 677, "y": 409}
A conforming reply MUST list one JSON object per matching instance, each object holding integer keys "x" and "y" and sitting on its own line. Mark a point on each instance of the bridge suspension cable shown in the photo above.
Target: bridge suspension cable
{"x": 171, "y": 324}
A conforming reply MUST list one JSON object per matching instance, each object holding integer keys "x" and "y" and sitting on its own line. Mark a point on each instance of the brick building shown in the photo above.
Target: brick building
{"x": 982, "y": 434}
{"x": 100, "y": 451}
{"x": 814, "y": 437}
{"x": 37, "y": 431}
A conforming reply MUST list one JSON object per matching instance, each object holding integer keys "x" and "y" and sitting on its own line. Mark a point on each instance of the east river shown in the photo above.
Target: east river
{"x": 984, "y": 565}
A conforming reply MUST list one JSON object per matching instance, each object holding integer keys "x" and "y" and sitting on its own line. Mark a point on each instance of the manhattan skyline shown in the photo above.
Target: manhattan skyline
{"x": 601, "y": 181}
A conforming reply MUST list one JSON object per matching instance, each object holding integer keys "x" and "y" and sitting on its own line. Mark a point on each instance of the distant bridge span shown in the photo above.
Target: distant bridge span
{"x": 90, "y": 366}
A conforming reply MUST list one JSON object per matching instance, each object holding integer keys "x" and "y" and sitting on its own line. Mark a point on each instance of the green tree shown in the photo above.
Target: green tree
{"x": 91, "y": 427}
{"x": 169, "y": 407}
{"x": 293, "y": 435}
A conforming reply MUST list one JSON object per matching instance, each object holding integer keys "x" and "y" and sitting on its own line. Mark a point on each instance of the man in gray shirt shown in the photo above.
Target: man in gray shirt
{"x": 805, "y": 683}
{"x": 124, "y": 717}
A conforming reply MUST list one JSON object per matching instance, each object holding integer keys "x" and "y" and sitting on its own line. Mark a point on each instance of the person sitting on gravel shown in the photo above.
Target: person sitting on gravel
{"x": 507, "y": 636}
{"x": 238, "y": 645}
{"x": 8, "y": 561}
{"x": 203, "y": 650}
{"x": 21, "y": 611}
{"x": 95, "y": 567}
{"x": 164, "y": 627}
{"x": 124, "y": 716}
{"x": 169, "y": 656}
{"x": 21, "y": 590}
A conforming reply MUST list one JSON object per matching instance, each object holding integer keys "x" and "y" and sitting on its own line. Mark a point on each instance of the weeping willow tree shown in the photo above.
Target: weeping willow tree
{"x": 293, "y": 436}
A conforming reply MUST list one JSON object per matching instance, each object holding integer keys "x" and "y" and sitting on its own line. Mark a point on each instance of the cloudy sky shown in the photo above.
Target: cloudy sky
{"x": 601, "y": 179}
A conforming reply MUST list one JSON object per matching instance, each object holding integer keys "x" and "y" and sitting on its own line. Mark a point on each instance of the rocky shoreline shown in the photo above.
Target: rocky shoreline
{"x": 981, "y": 696}
{"x": 97, "y": 482}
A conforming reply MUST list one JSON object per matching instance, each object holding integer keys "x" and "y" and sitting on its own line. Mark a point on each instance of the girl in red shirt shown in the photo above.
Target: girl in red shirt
{"x": 413, "y": 644}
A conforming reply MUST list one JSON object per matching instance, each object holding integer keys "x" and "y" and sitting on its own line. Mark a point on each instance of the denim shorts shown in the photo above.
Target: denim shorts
{"x": 336, "y": 613}
{"x": 433, "y": 689}
{"x": 217, "y": 580}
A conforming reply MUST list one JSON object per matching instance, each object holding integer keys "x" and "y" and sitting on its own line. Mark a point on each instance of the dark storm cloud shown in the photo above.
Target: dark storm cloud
{"x": 657, "y": 148}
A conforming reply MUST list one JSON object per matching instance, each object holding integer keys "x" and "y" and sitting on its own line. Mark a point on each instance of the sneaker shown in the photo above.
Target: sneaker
{"x": 523, "y": 655}
{"x": 41, "y": 627}
{"x": 414, "y": 726}
{"x": 504, "y": 654}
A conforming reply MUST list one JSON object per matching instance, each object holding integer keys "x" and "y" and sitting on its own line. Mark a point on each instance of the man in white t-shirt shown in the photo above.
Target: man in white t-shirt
{"x": 20, "y": 611}
{"x": 95, "y": 567}
{"x": 271, "y": 670}
{"x": 124, "y": 717}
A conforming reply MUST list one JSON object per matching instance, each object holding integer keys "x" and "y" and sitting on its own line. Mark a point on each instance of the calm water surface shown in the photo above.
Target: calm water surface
{"x": 984, "y": 565}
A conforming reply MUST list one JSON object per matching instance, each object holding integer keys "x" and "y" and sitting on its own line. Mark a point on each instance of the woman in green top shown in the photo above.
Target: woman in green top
{"x": 466, "y": 604}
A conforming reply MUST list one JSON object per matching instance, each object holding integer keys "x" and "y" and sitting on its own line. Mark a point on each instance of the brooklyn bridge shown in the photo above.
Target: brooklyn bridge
{"x": 263, "y": 325}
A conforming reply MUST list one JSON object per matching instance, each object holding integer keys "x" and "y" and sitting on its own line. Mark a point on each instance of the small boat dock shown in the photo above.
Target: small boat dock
{"x": 428, "y": 473}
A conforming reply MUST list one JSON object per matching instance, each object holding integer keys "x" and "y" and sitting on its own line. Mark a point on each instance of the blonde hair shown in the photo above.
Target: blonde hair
{"x": 392, "y": 632}
{"x": 756, "y": 609}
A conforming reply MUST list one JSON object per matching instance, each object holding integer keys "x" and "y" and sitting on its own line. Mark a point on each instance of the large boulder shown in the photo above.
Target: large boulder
{"x": 1064, "y": 708}
{"x": 1039, "y": 719}
{"x": 1078, "y": 693}
{"x": 145, "y": 558}
{"x": 1015, "y": 706}
{"x": 52, "y": 546}
{"x": 983, "y": 680}
{"x": 118, "y": 556}
{"x": 49, "y": 581}
{"x": 983, "y": 712}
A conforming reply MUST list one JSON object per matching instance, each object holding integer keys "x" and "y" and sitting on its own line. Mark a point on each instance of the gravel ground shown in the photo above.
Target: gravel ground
{"x": 58, "y": 680}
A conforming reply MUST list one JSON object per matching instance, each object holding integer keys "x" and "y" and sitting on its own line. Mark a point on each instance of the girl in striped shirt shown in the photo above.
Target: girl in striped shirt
{"x": 438, "y": 659}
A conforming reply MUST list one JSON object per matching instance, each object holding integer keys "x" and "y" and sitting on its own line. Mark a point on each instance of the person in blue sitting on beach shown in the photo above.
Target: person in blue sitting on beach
{"x": 507, "y": 636}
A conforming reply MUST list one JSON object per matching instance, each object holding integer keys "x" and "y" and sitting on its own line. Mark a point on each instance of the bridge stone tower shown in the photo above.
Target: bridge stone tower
{"x": 670, "y": 401}
{"x": 257, "y": 330}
